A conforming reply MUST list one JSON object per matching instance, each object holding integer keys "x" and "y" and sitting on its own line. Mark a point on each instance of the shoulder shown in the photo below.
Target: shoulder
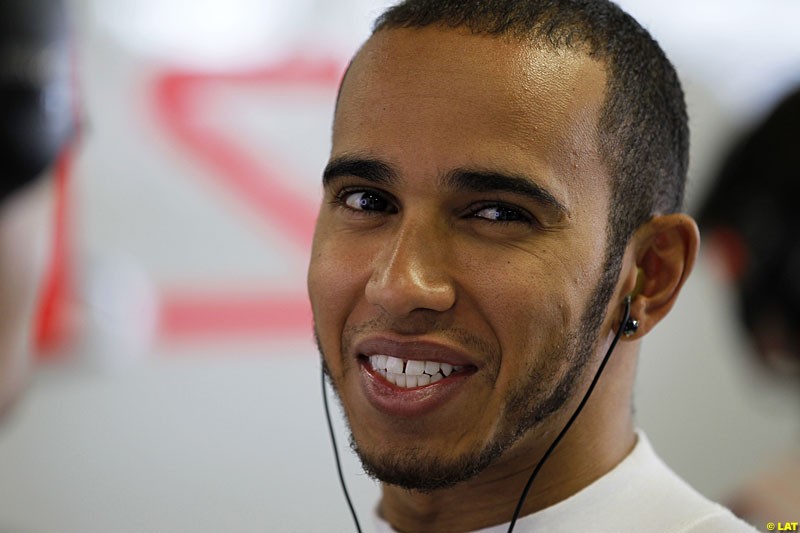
{"x": 661, "y": 496}
{"x": 721, "y": 522}
{"x": 640, "y": 494}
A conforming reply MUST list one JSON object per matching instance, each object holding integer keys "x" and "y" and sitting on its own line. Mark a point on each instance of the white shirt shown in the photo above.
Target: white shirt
{"x": 639, "y": 494}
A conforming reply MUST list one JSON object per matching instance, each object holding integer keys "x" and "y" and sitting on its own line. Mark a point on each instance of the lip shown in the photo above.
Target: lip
{"x": 414, "y": 349}
{"x": 408, "y": 403}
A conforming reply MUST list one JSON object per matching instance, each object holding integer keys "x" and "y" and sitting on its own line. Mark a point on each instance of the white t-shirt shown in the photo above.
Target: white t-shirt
{"x": 639, "y": 494}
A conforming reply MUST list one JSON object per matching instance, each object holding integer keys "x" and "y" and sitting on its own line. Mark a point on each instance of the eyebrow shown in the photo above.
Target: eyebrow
{"x": 462, "y": 180}
{"x": 365, "y": 168}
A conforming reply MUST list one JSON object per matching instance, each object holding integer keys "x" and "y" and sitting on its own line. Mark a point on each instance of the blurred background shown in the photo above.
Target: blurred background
{"x": 178, "y": 385}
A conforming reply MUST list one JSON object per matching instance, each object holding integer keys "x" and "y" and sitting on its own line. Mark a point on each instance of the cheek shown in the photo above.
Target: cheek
{"x": 529, "y": 300}
{"x": 25, "y": 236}
{"x": 515, "y": 288}
{"x": 336, "y": 281}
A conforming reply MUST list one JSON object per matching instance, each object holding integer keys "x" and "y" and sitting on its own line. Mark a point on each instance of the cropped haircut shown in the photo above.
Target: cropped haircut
{"x": 643, "y": 129}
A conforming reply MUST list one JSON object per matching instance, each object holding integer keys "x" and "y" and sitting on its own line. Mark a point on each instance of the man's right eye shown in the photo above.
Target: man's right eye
{"x": 365, "y": 201}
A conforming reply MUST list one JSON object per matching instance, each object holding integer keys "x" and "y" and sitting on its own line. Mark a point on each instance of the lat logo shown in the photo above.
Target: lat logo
{"x": 782, "y": 526}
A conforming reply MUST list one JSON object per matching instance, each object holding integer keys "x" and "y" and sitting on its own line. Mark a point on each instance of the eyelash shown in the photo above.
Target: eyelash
{"x": 522, "y": 216}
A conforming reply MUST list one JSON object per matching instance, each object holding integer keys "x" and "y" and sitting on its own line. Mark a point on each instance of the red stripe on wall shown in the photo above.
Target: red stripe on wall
{"x": 257, "y": 185}
{"x": 211, "y": 316}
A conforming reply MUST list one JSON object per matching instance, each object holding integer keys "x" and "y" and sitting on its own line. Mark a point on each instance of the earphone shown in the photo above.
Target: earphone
{"x": 336, "y": 452}
{"x": 631, "y": 326}
{"x": 627, "y": 327}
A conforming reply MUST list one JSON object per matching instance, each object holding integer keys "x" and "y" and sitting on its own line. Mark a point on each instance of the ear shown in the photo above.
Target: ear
{"x": 664, "y": 249}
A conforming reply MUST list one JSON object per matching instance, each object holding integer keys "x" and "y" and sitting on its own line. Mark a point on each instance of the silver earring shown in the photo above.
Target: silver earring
{"x": 631, "y": 327}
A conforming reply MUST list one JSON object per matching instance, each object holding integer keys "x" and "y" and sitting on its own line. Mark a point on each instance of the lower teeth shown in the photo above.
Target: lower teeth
{"x": 410, "y": 382}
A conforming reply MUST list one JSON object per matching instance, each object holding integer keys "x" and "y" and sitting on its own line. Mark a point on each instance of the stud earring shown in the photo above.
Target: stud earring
{"x": 631, "y": 325}
{"x": 630, "y": 328}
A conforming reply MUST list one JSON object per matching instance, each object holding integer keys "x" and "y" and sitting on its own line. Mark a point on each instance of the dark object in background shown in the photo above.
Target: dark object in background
{"x": 35, "y": 89}
{"x": 752, "y": 217}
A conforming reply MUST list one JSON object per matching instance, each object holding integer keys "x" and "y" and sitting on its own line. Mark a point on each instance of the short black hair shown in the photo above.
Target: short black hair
{"x": 643, "y": 130}
{"x": 35, "y": 90}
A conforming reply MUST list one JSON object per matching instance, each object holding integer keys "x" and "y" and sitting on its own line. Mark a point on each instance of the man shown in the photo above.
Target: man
{"x": 751, "y": 236}
{"x": 36, "y": 112}
{"x": 505, "y": 176}
{"x": 752, "y": 233}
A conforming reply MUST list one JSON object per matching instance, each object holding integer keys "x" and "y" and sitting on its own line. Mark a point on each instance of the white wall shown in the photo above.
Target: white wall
{"x": 223, "y": 431}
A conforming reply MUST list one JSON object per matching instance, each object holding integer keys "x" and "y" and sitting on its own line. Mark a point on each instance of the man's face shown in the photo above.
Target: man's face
{"x": 455, "y": 267}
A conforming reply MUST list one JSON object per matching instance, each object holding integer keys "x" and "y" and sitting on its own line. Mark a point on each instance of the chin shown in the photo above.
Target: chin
{"x": 421, "y": 470}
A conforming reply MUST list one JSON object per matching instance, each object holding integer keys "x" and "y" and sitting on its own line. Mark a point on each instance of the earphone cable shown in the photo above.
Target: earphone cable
{"x": 578, "y": 410}
{"x": 541, "y": 462}
{"x": 336, "y": 453}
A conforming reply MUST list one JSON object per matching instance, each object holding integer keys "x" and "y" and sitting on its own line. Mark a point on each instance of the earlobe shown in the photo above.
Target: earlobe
{"x": 665, "y": 250}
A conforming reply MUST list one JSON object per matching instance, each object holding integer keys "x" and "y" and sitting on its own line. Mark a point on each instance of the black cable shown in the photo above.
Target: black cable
{"x": 336, "y": 453}
{"x": 574, "y": 416}
{"x": 541, "y": 461}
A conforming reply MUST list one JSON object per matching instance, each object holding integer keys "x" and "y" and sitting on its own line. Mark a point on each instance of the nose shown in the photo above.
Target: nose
{"x": 411, "y": 272}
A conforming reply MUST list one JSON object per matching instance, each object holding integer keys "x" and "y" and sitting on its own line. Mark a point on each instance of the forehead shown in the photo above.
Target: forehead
{"x": 454, "y": 98}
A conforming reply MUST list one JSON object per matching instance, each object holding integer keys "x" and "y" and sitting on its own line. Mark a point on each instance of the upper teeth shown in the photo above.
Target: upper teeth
{"x": 410, "y": 374}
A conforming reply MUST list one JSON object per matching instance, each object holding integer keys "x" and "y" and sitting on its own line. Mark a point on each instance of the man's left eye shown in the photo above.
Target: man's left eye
{"x": 500, "y": 213}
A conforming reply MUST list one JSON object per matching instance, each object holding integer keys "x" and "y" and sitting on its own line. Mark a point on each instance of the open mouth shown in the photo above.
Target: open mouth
{"x": 411, "y": 373}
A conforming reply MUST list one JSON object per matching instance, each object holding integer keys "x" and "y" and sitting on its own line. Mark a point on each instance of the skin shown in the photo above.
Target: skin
{"x": 500, "y": 277}
{"x": 25, "y": 222}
